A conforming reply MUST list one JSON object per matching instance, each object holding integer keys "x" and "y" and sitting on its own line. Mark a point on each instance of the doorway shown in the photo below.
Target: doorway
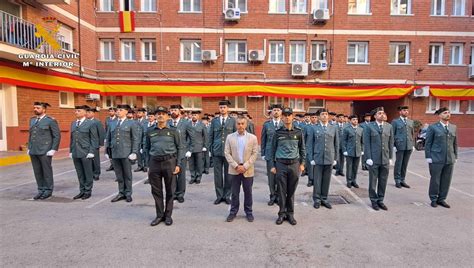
{"x": 361, "y": 107}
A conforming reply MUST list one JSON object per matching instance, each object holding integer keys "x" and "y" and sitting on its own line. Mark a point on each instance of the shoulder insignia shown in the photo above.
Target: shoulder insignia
{"x": 153, "y": 134}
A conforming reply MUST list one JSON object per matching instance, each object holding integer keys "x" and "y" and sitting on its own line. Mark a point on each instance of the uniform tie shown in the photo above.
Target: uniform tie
{"x": 324, "y": 128}
{"x": 380, "y": 128}
{"x": 37, "y": 120}
{"x": 446, "y": 128}
{"x": 78, "y": 123}
{"x": 223, "y": 121}
{"x": 119, "y": 123}
{"x": 276, "y": 125}
{"x": 175, "y": 123}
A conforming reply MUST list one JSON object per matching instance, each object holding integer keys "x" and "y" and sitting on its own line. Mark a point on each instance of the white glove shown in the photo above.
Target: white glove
{"x": 28, "y": 152}
{"x": 394, "y": 149}
{"x": 429, "y": 160}
{"x": 334, "y": 163}
{"x": 89, "y": 156}
{"x": 105, "y": 140}
{"x": 390, "y": 162}
{"x": 263, "y": 158}
{"x": 361, "y": 153}
{"x": 312, "y": 163}
{"x": 369, "y": 162}
{"x": 414, "y": 149}
{"x": 345, "y": 154}
{"x": 141, "y": 151}
{"x": 51, "y": 152}
{"x": 132, "y": 156}
{"x": 210, "y": 155}
{"x": 107, "y": 156}
{"x": 70, "y": 155}
{"x": 204, "y": 149}
{"x": 188, "y": 154}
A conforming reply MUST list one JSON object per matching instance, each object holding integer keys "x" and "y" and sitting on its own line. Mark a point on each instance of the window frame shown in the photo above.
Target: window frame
{"x": 130, "y": 100}
{"x": 122, "y": 5}
{"x": 461, "y": 54}
{"x": 367, "y": 11}
{"x": 232, "y": 42}
{"x": 315, "y": 108}
{"x": 102, "y": 5}
{"x": 142, "y": 5}
{"x": 470, "y": 107}
{"x": 276, "y": 42}
{"x": 433, "y": 8}
{"x": 226, "y": 6}
{"x": 297, "y": 50}
{"x": 275, "y": 100}
{"x": 432, "y": 54}
{"x": 292, "y": 103}
{"x": 409, "y": 11}
{"x": 358, "y": 43}
{"x": 122, "y": 50}
{"x": 429, "y": 108}
{"x": 191, "y": 42}
{"x": 66, "y": 32}
{"x": 397, "y": 51}
{"x": 463, "y": 8}
{"x": 143, "y": 50}
{"x": 277, "y": 5}
{"x": 70, "y": 99}
{"x": 315, "y": 2}
{"x": 457, "y": 106}
{"x": 193, "y": 107}
{"x": 299, "y": 12}
{"x": 113, "y": 100}
{"x": 181, "y": 5}
{"x": 234, "y": 106}
{"x": 102, "y": 49}
{"x": 318, "y": 44}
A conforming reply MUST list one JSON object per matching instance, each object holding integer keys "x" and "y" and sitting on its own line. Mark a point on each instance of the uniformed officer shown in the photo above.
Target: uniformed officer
{"x": 207, "y": 158}
{"x": 403, "y": 133}
{"x": 90, "y": 115}
{"x": 340, "y": 129}
{"x": 324, "y": 151}
{"x": 441, "y": 153}
{"x": 352, "y": 141}
{"x": 163, "y": 145}
{"x": 142, "y": 122}
{"x": 250, "y": 126}
{"x": 378, "y": 149}
{"x": 123, "y": 138}
{"x": 308, "y": 134}
{"x": 332, "y": 118}
{"x": 221, "y": 126}
{"x": 83, "y": 147}
{"x": 131, "y": 114}
{"x": 110, "y": 120}
{"x": 43, "y": 143}
{"x": 288, "y": 157}
{"x": 199, "y": 150}
{"x": 367, "y": 118}
{"x": 268, "y": 131}
{"x": 181, "y": 124}
{"x": 151, "y": 124}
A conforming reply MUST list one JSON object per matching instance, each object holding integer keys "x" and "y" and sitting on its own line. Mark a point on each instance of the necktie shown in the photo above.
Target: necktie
{"x": 37, "y": 120}
{"x": 223, "y": 121}
{"x": 119, "y": 123}
{"x": 324, "y": 128}
{"x": 276, "y": 125}
{"x": 194, "y": 124}
{"x": 78, "y": 123}
{"x": 175, "y": 123}
{"x": 380, "y": 128}
{"x": 404, "y": 121}
{"x": 446, "y": 128}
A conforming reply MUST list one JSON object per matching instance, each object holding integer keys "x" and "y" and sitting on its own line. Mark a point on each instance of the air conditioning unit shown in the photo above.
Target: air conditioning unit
{"x": 208, "y": 55}
{"x": 256, "y": 55}
{"x": 232, "y": 14}
{"x": 319, "y": 65}
{"x": 320, "y": 15}
{"x": 299, "y": 69}
{"x": 422, "y": 92}
{"x": 92, "y": 97}
{"x": 471, "y": 71}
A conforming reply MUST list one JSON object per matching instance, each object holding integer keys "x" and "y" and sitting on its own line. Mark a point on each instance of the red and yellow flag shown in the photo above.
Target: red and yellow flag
{"x": 127, "y": 21}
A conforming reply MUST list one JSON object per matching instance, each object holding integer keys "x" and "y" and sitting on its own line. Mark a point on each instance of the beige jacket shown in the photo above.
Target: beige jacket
{"x": 250, "y": 153}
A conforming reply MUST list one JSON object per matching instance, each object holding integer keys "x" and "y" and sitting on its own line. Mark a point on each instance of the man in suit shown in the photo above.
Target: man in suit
{"x": 199, "y": 150}
{"x": 323, "y": 149}
{"x": 83, "y": 147}
{"x": 268, "y": 131}
{"x": 378, "y": 149}
{"x": 150, "y": 124}
{"x": 308, "y": 134}
{"x": 43, "y": 143}
{"x": 109, "y": 121}
{"x": 287, "y": 158}
{"x": 142, "y": 122}
{"x": 207, "y": 158}
{"x": 352, "y": 141}
{"x": 181, "y": 124}
{"x": 403, "y": 133}
{"x": 241, "y": 150}
{"x": 340, "y": 129}
{"x": 90, "y": 115}
{"x": 123, "y": 138}
{"x": 441, "y": 153}
{"x": 221, "y": 126}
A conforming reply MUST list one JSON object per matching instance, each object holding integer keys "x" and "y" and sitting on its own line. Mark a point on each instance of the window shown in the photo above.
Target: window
{"x": 107, "y": 50}
{"x": 241, "y": 4}
{"x": 399, "y": 53}
{"x": 315, "y": 105}
{"x": 459, "y": 7}
{"x": 276, "y": 6}
{"x": 357, "y": 52}
{"x": 190, "y": 50}
{"x": 128, "y": 50}
{"x": 400, "y": 7}
{"x": 436, "y": 54}
{"x": 454, "y": 106}
{"x": 470, "y": 107}
{"x": 296, "y": 104}
{"x": 150, "y": 103}
{"x": 317, "y": 4}
{"x": 65, "y": 37}
{"x": 359, "y": 6}
{"x": 109, "y": 101}
{"x": 106, "y": 5}
{"x": 126, "y": 5}
{"x": 277, "y": 52}
{"x": 437, "y": 7}
{"x": 238, "y": 103}
{"x": 457, "y": 54}
{"x": 191, "y": 103}
{"x": 275, "y": 100}
{"x": 148, "y": 50}
{"x": 66, "y": 99}
{"x": 318, "y": 51}
{"x": 298, "y": 6}
{"x": 148, "y": 5}
{"x": 190, "y": 5}
{"x": 297, "y": 52}
{"x": 236, "y": 51}
{"x": 130, "y": 100}
{"x": 433, "y": 105}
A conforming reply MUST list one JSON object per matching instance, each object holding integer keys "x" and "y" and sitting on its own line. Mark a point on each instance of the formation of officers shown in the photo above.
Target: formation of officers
{"x": 166, "y": 141}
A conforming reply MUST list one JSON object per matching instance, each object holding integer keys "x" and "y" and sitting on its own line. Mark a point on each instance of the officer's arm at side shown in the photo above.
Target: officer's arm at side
{"x": 56, "y": 135}
{"x": 429, "y": 141}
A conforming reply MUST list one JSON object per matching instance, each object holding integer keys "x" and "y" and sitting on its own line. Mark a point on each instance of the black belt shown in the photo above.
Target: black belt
{"x": 164, "y": 157}
{"x": 287, "y": 161}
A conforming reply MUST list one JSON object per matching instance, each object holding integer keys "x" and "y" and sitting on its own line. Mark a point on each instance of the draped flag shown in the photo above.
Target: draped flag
{"x": 127, "y": 21}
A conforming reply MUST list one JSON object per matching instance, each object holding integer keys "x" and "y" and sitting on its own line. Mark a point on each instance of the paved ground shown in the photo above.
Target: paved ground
{"x": 64, "y": 233}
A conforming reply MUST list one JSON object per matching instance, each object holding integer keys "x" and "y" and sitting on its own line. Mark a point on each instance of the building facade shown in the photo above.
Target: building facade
{"x": 348, "y": 56}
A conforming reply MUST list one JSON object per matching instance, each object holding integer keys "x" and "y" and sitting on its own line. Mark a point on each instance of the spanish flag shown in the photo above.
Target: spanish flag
{"x": 127, "y": 21}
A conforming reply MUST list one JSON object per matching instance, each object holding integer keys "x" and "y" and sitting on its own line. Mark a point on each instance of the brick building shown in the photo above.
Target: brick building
{"x": 347, "y": 55}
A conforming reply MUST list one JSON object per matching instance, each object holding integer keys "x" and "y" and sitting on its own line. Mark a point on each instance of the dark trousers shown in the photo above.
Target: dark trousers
{"x": 222, "y": 181}
{"x": 85, "y": 173}
{"x": 322, "y": 180}
{"x": 207, "y": 162}
{"x": 43, "y": 173}
{"x": 181, "y": 179}
{"x": 310, "y": 171}
{"x": 401, "y": 164}
{"x": 142, "y": 160}
{"x": 378, "y": 175}
{"x": 440, "y": 181}
{"x": 146, "y": 158}
{"x": 196, "y": 165}
{"x": 109, "y": 152}
{"x": 340, "y": 163}
{"x": 247, "y": 183}
{"x": 96, "y": 163}
{"x": 162, "y": 171}
{"x": 287, "y": 178}
{"x": 352, "y": 165}
{"x": 272, "y": 182}
{"x": 123, "y": 172}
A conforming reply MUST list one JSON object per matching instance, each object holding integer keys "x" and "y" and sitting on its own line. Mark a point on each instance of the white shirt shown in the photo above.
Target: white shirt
{"x": 81, "y": 121}
{"x": 241, "y": 140}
